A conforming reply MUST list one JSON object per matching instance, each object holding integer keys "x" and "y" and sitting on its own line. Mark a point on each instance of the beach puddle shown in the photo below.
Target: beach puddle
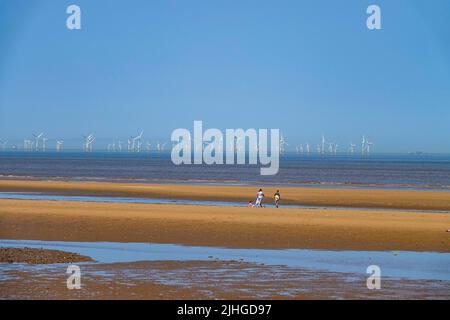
{"x": 399, "y": 264}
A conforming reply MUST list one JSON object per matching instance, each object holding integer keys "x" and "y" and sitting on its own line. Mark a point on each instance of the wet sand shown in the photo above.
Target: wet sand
{"x": 208, "y": 280}
{"x": 39, "y": 256}
{"x": 354, "y": 198}
{"x": 225, "y": 226}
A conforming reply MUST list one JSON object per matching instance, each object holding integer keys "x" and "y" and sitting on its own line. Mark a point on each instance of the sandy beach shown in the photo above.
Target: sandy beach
{"x": 339, "y": 197}
{"x": 377, "y": 227}
{"x": 224, "y": 226}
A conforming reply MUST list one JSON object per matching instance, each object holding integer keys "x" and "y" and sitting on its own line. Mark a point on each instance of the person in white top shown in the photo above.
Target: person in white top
{"x": 259, "y": 198}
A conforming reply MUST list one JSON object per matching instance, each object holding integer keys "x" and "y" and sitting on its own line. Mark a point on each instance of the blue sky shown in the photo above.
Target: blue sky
{"x": 305, "y": 67}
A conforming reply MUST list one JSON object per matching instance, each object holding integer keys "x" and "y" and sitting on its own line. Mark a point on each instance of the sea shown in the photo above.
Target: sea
{"x": 415, "y": 171}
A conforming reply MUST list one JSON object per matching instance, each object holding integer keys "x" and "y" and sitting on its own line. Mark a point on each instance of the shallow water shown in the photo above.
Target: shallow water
{"x": 400, "y": 264}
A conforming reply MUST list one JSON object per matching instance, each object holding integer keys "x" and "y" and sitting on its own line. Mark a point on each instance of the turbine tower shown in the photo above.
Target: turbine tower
{"x": 87, "y": 142}
{"x": 135, "y": 142}
{"x": 28, "y": 145}
{"x": 36, "y": 139}
{"x": 369, "y": 145}
{"x": 282, "y": 144}
{"x": 59, "y": 143}
{"x": 44, "y": 141}
{"x": 363, "y": 145}
{"x": 352, "y": 148}
{"x": 3, "y": 144}
{"x": 129, "y": 141}
{"x": 322, "y": 150}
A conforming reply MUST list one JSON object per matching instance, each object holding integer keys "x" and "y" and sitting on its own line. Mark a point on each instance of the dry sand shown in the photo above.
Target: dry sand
{"x": 224, "y": 226}
{"x": 363, "y": 198}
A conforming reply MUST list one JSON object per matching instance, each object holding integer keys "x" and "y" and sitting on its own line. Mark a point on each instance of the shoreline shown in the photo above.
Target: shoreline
{"x": 331, "y": 197}
{"x": 233, "y": 183}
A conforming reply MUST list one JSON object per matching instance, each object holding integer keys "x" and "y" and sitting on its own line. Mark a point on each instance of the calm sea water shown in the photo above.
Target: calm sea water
{"x": 417, "y": 171}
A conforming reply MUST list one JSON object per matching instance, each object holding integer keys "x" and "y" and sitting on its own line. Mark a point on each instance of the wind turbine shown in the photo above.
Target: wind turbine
{"x": 363, "y": 145}
{"x": 323, "y": 144}
{"x": 138, "y": 140}
{"x": 3, "y": 144}
{"x": 36, "y": 138}
{"x": 129, "y": 141}
{"x": 87, "y": 145}
{"x": 282, "y": 144}
{"x": 44, "y": 140}
{"x": 91, "y": 140}
{"x": 369, "y": 145}
{"x": 59, "y": 143}
{"x": 351, "y": 148}
{"x": 330, "y": 147}
{"x": 28, "y": 145}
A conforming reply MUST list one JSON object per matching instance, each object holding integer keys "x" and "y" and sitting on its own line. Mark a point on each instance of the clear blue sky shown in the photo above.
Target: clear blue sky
{"x": 305, "y": 67}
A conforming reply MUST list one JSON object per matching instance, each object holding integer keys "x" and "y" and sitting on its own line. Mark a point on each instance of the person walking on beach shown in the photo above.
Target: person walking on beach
{"x": 259, "y": 198}
{"x": 276, "y": 198}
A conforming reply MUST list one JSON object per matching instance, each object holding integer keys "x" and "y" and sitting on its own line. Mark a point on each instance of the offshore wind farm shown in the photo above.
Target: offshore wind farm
{"x": 39, "y": 142}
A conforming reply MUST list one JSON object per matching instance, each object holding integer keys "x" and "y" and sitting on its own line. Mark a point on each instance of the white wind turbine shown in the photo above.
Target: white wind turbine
{"x": 3, "y": 144}
{"x": 136, "y": 142}
{"x": 91, "y": 140}
{"x": 283, "y": 143}
{"x": 352, "y": 148}
{"x": 323, "y": 144}
{"x": 36, "y": 138}
{"x": 44, "y": 141}
{"x": 307, "y": 148}
{"x": 59, "y": 143}
{"x": 330, "y": 147}
{"x": 363, "y": 145}
{"x": 369, "y": 146}
{"x": 28, "y": 145}
{"x": 87, "y": 142}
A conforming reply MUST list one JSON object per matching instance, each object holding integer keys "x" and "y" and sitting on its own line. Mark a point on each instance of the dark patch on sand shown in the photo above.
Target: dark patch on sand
{"x": 39, "y": 256}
